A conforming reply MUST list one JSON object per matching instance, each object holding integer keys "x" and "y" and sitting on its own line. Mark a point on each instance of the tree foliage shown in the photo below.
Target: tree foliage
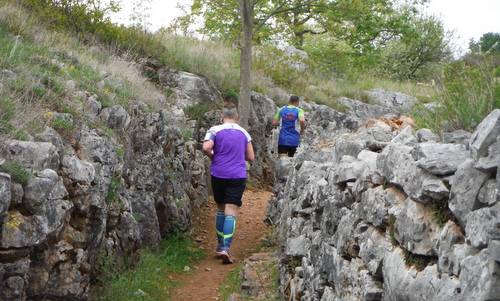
{"x": 488, "y": 43}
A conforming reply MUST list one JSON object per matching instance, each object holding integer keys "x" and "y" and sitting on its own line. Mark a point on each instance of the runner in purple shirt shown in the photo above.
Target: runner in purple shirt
{"x": 229, "y": 146}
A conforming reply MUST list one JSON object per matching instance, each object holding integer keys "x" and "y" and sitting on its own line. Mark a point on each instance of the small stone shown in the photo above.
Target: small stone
{"x": 186, "y": 269}
{"x": 208, "y": 269}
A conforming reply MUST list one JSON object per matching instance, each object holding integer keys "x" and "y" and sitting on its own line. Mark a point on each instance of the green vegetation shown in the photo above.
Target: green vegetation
{"x": 441, "y": 212}
{"x": 197, "y": 111}
{"x": 113, "y": 188}
{"x": 420, "y": 262}
{"x": 149, "y": 281}
{"x": 17, "y": 172}
{"x": 231, "y": 284}
{"x": 470, "y": 92}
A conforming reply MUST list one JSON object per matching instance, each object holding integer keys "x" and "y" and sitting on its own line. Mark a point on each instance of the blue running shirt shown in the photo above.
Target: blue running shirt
{"x": 290, "y": 117}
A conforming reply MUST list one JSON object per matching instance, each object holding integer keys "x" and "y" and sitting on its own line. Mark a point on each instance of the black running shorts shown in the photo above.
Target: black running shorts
{"x": 228, "y": 191}
{"x": 284, "y": 149}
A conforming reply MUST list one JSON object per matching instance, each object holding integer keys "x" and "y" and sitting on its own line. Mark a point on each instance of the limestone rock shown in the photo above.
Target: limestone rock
{"x": 372, "y": 249}
{"x": 479, "y": 278}
{"x": 440, "y": 159}
{"x": 415, "y": 228}
{"x": 398, "y": 101}
{"x": 457, "y": 137}
{"x": 405, "y": 137}
{"x": 451, "y": 249}
{"x": 465, "y": 186}
{"x": 116, "y": 117}
{"x": 489, "y": 192}
{"x": 364, "y": 110}
{"x": 492, "y": 161}
{"x": 31, "y": 155}
{"x": 398, "y": 166}
{"x": 426, "y": 135}
{"x": 348, "y": 169}
{"x": 44, "y": 187}
{"x": 298, "y": 246}
{"x": 78, "y": 171}
{"x": 483, "y": 225}
{"x": 51, "y": 136}
{"x": 5, "y": 195}
{"x": 403, "y": 283}
{"x": 485, "y": 134}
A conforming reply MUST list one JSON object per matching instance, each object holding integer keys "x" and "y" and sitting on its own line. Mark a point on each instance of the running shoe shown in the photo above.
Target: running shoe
{"x": 226, "y": 258}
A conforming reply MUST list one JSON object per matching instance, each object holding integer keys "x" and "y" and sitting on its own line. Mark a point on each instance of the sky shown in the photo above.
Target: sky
{"x": 466, "y": 18}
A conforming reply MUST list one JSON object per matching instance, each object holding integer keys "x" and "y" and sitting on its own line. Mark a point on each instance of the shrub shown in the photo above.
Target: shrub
{"x": 17, "y": 172}
{"x": 468, "y": 96}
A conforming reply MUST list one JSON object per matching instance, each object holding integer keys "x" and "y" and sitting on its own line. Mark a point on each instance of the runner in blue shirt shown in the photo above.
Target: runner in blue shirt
{"x": 291, "y": 117}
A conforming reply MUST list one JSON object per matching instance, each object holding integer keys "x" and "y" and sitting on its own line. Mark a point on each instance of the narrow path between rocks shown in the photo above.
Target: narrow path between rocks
{"x": 206, "y": 277}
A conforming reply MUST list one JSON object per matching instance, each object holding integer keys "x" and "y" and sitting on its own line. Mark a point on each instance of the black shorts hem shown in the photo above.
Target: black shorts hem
{"x": 285, "y": 149}
{"x": 228, "y": 191}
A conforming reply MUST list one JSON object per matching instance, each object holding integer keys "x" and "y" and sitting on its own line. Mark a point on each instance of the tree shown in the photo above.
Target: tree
{"x": 141, "y": 12}
{"x": 490, "y": 42}
{"x": 244, "y": 105}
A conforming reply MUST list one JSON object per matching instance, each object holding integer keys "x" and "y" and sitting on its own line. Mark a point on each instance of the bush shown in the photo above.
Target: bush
{"x": 17, "y": 172}
{"x": 470, "y": 93}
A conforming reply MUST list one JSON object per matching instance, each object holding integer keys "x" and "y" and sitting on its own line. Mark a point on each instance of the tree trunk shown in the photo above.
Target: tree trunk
{"x": 244, "y": 107}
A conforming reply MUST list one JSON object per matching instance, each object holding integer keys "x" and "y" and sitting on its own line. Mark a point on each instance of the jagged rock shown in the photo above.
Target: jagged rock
{"x": 426, "y": 135}
{"x": 465, "y": 186}
{"x": 31, "y": 155}
{"x": 345, "y": 146}
{"x": 348, "y": 169}
{"x": 370, "y": 159}
{"x": 398, "y": 101}
{"x": 483, "y": 225}
{"x": 374, "y": 205}
{"x": 372, "y": 248}
{"x": 488, "y": 193}
{"x": 494, "y": 250}
{"x": 364, "y": 110}
{"x": 479, "y": 278}
{"x": 17, "y": 194}
{"x": 116, "y": 117}
{"x": 450, "y": 248}
{"x": 5, "y": 195}
{"x": 78, "y": 171}
{"x": 25, "y": 231}
{"x": 485, "y": 134}
{"x": 51, "y": 136}
{"x": 405, "y": 137}
{"x": 398, "y": 166}
{"x": 93, "y": 106}
{"x": 44, "y": 187}
{"x": 297, "y": 247}
{"x": 403, "y": 283}
{"x": 438, "y": 158}
{"x": 492, "y": 161}
{"x": 457, "y": 137}
{"x": 415, "y": 228}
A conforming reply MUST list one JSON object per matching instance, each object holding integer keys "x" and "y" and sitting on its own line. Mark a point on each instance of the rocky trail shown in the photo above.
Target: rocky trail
{"x": 206, "y": 277}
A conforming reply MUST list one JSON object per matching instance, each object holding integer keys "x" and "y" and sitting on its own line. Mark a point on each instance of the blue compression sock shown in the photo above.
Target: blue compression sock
{"x": 229, "y": 229}
{"x": 219, "y": 228}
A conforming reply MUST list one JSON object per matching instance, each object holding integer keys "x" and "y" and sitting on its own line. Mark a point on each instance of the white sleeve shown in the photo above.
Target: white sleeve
{"x": 210, "y": 135}
{"x": 249, "y": 139}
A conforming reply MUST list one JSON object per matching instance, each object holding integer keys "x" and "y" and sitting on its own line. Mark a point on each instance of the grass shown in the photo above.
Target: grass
{"x": 441, "y": 212}
{"x": 197, "y": 111}
{"x": 149, "y": 280}
{"x": 18, "y": 173}
{"x": 231, "y": 284}
{"x": 114, "y": 186}
{"x": 471, "y": 91}
{"x": 420, "y": 262}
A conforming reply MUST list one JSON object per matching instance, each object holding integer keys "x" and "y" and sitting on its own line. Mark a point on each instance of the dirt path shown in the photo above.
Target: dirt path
{"x": 203, "y": 283}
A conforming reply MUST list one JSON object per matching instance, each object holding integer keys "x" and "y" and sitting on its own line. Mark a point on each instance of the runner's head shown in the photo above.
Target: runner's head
{"x": 230, "y": 113}
{"x": 294, "y": 100}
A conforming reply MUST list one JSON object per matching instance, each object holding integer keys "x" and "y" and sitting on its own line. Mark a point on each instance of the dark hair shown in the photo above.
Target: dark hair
{"x": 294, "y": 99}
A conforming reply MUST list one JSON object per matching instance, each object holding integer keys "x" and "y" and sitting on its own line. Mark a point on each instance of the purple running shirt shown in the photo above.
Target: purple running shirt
{"x": 230, "y": 146}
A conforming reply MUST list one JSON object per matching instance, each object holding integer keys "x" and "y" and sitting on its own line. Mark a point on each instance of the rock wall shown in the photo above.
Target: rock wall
{"x": 77, "y": 201}
{"x": 383, "y": 213}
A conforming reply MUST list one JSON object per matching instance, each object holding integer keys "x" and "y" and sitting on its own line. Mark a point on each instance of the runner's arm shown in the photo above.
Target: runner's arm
{"x": 276, "y": 118}
{"x": 250, "y": 154}
{"x": 302, "y": 121}
{"x": 208, "y": 148}
{"x": 208, "y": 143}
